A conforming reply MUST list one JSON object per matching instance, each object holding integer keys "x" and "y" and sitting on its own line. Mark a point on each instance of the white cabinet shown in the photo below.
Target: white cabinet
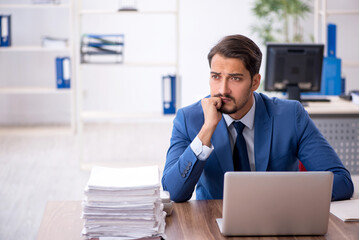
{"x": 28, "y": 91}
{"x": 132, "y": 90}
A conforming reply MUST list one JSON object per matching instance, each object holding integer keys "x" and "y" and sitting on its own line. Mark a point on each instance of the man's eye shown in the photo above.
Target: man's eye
{"x": 215, "y": 76}
{"x": 236, "y": 78}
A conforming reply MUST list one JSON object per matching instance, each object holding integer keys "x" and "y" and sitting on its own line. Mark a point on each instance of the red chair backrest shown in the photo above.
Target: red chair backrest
{"x": 301, "y": 167}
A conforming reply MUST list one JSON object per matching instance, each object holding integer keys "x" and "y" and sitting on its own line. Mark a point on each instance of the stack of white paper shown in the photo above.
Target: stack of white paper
{"x": 124, "y": 203}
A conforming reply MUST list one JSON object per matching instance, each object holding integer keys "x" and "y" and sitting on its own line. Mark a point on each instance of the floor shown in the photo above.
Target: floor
{"x": 37, "y": 166}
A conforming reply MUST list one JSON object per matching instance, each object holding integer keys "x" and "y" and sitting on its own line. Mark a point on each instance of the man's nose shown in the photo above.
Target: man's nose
{"x": 224, "y": 88}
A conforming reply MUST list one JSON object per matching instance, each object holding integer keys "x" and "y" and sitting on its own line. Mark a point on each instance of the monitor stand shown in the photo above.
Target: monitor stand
{"x": 294, "y": 94}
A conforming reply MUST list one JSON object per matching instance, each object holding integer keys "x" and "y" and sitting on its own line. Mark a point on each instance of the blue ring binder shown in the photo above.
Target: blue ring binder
{"x": 169, "y": 94}
{"x": 5, "y": 30}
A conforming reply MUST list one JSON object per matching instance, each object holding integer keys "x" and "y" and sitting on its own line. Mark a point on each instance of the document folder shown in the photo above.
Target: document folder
{"x": 63, "y": 72}
{"x": 5, "y": 30}
{"x": 169, "y": 94}
{"x": 332, "y": 80}
{"x": 331, "y": 77}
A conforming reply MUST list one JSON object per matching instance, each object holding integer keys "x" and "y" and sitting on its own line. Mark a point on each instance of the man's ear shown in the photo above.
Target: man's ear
{"x": 256, "y": 81}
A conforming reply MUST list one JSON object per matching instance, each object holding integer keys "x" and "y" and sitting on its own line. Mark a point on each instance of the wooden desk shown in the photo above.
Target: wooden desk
{"x": 193, "y": 220}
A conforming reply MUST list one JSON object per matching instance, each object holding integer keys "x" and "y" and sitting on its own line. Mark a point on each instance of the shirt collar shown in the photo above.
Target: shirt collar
{"x": 247, "y": 120}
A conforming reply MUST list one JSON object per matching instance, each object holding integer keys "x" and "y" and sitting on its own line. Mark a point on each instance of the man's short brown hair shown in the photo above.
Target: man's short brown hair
{"x": 239, "y": 46}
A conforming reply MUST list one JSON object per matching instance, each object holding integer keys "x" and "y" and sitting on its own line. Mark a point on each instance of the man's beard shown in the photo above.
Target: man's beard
{"x": 235, "y": 107}
{"x": 222, "y": 108}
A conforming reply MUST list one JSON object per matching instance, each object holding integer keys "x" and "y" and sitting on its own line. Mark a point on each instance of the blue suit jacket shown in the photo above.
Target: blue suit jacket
{"x": 284, "y": 134}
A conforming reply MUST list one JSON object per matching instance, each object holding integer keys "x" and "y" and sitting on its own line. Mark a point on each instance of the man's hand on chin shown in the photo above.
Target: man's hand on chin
{"x": 212, "y": 116}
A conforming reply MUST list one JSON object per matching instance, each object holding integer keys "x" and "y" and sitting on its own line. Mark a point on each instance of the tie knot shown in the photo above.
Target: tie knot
{"x": 239, "y": 127}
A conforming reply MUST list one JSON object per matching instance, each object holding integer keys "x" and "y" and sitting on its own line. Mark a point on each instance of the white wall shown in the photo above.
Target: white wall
{"x": 130, "y": 89}
{"x": 202, "y": 26}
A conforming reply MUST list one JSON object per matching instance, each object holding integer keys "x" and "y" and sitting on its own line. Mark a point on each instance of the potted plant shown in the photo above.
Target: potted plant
{"x": 280, "y": 20}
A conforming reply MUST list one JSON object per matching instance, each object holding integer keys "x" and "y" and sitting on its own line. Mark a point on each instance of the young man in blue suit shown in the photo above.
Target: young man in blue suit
{"x": 206, "y": 141}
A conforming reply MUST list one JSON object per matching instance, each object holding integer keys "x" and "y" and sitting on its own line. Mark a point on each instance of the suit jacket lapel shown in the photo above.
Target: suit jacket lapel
{"x": 222, "y": 147}
{"x": 262, "y": 135}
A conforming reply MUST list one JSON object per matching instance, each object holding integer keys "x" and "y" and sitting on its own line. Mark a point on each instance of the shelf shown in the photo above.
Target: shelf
{"x": 36, "y": 130}
{"x": 340, "y": 12}
{"x": 131, "y": 64}
{"x": 118, "y": 117}
{"x": 350, "y": 63}
{"x": 32, "y": 49}
{"x": 33, "y": 90}
{"x": 96, "y": 11}
{"x": 35, "y": 6}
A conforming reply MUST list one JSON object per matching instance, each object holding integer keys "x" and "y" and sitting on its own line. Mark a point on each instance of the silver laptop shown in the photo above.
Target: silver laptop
{"x": 276, "y": 203}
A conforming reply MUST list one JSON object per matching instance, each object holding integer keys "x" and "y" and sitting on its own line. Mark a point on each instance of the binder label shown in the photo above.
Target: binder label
{"x": 167, "y": 90}
{"x": 66, "y": 68}
{"x": 4, "y": 27}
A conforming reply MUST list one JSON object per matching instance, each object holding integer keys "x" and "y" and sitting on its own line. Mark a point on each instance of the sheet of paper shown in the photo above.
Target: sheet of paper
{"x": 347, "y": 210}
{"x": 124, "y": 178}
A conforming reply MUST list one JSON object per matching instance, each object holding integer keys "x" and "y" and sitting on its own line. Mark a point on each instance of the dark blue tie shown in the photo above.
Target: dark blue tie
{"x": 240, "y": 155}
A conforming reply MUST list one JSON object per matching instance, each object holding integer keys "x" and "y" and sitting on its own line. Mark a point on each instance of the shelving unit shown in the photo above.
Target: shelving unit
{"x": 321, "y": 13}
{"x": 134, "y": 65}
{"x": 26, "y": 50}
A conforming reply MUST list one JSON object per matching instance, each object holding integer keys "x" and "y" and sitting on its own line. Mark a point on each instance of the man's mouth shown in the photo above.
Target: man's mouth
{"x": 226, "y": 99}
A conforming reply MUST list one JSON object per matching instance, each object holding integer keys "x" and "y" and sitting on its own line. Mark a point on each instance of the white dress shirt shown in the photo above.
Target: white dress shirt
{"x": 202, "y": 151}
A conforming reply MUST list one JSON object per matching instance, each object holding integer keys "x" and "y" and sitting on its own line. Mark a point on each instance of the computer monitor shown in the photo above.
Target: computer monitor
{"x": 293, "y": 68}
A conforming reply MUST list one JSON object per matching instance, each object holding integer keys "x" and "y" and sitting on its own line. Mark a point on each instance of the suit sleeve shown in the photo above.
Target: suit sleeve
{"x": 316, "y": 154}
{"x": 182, "y": 169}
